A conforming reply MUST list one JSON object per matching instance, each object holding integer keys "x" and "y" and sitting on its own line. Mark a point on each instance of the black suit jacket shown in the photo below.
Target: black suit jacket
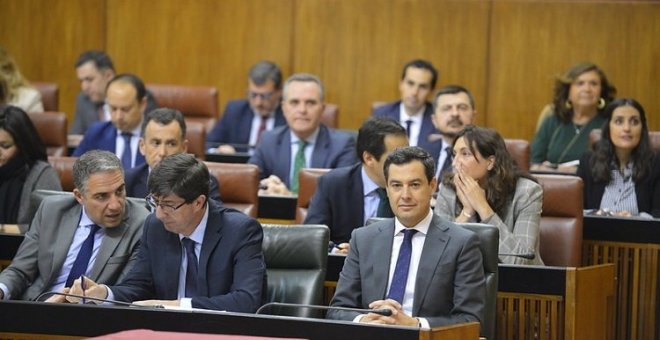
{"x": 136, "y": 183}
{"x": 647, "y": 191}
{"x": 236, "y": 123}
{"x": 232, "y": 271}
{"x": 338, "y": 202}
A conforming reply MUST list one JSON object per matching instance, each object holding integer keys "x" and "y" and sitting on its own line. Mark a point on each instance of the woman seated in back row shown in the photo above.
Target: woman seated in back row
{"x": 622, "y": 176}
{"x": 488, "y": 187}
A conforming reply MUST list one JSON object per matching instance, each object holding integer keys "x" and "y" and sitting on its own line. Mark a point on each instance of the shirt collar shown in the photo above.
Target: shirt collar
{"x": 417, "y": 116}
{"x": 135, "y": 132}
{"x": 422, "y": 226}
{"x": 311, "y": 140}
{"x": 368, "y": 186}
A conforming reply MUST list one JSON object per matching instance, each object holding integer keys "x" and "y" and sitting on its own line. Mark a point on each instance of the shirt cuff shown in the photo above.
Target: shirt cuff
{"x": 185, "y": 303}
{"x": 423, "y": 323}
{"x": 111, "y": 296}
{"x": 5, "y": 291}
{"x": 359, "y": 317}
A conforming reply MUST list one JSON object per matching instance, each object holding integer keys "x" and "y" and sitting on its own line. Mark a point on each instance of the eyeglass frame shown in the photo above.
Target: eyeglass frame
{"x": 151, "y": 201}
{"x": 263, "y": 96}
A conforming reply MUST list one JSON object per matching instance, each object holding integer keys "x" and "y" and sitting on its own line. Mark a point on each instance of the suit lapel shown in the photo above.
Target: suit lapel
{"x": 356, "y": 195}
{"x": 434, "y": 247}
{"x": 63, "y": 239}
{"x": 212, "y": 237}
{"x": 380, "y": 265}
{"x": 320, "y": 153}
{"x": 284, "y": 148}
{"x": 110, "y": 242}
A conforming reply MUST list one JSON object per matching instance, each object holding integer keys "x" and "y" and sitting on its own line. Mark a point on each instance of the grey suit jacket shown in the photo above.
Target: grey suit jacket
{"x": 450, "y": 285}
{"x": 519, "y": 227}
{"x": 41, "y": 255}
{"x": 41, "y": 176}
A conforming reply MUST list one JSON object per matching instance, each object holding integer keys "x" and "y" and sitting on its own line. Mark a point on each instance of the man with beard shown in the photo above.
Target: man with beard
{"x": 453, "y": 110}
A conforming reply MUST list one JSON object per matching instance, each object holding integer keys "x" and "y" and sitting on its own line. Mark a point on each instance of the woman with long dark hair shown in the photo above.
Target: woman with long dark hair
{"x": 23, "y": 165}
{"x": 622, "y": 175}
{"x": 488, "y": 187}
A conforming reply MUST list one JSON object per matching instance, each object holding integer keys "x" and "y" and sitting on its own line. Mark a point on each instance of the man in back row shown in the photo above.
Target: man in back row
{"x": 94, "y": 70}
{"x": 244, "y": 121}
{"x": 163, "y": 134}
{"x": 345, "y": 198}
{"x": 304, "y": 142}
{"x": 95, "y": 232}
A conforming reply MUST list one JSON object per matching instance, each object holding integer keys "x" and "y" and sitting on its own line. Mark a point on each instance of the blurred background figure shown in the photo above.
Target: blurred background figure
{"x": 622, "y": 175}
{"x": 23, "y": 165}
{"x": 14, "y": 89}
{"x": 488, "y": 187}
{"x": 563, "y": 136}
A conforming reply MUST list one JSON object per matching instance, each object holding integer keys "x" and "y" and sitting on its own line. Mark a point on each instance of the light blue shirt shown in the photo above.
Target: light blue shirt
{"x": 121, "y": 145}
{"x": 309, "y": 150}
{"x": 371, "y": 198}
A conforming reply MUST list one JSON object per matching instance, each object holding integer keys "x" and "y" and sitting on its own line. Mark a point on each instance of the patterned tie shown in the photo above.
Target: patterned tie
{"x": 298, "y": 164}
{"x": 127, "y": 155}
{"x": 408, "y": 124}
{"x": 79, "y": 267}
{"x": 384, "y": 208}
{"x": 191, "y": 270}
{"x": 398, "y": 286}
{"x": 446, "y": 166}
{"x": 262, "y": 128}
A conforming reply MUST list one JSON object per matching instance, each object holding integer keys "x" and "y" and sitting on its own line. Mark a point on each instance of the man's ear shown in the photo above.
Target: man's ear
{"x": 141, "y": 146}
{"x": 77, "y": 194}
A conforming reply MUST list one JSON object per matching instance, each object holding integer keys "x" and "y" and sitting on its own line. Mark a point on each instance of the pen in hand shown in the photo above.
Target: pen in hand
{"x": 82, "y": 286}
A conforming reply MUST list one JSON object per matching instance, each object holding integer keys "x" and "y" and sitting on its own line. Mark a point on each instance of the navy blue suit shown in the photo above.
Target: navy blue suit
{"x": 232, "y": 271}
{"x": 338, "y": 202}
{"x": 136, "y": 183}
{"x": 236, "y": 122}
{"x": 102, "y": 136}
{"x": 333, "y": 149}
{"x": 393, "y": 111}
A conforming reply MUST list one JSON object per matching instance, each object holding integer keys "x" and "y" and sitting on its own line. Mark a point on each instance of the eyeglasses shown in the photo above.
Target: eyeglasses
{"x": 153, "y": 203}
{"x": 263, "y": 96}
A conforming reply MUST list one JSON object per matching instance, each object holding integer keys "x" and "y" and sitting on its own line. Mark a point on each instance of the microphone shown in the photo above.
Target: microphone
{"x": 528, "y": 256}
{"x": 384, "y": 311}
{"x": 83, "y": 298}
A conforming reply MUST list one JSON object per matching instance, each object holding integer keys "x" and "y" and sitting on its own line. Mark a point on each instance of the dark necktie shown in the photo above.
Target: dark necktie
{"x": 191, "y": 270}
{"x": 446, "y": 166}
{"x": 398, "y": 286}
{"x": 298, "y": 164}
{"x": 408, "y": 124}
{"x": 84, "y": 254}
{"x": 262, "y": 128}
{"x": 127, "y": 155}
{"x": 384, "y": 208}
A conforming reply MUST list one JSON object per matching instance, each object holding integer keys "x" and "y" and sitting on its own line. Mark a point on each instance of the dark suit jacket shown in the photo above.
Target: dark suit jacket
{"x": 232, "y": 271}
{"x": 236, "y": 123}
{"x": 136, "y": 183}
{"x": 102, "y": 136}
{"x": 450, "y": 286}
{"x": 647, "y": 191}
{"x": 87, "y": 112}
{"x": 333, "y": 149}
{"x": 338, "y": 202}
{"x": 392, "y": 111}
{"x": 46, "y": 244}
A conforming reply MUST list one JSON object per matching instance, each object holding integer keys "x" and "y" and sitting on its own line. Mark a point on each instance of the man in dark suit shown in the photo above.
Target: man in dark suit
{"x": 194, "y": 252}
{"x": 50, "y": 256}
{"x": 94, "y": 70}
{"x": 126, "y": 99}
{"x": 431, "y": 271}
{"x": 244, "y": 120}
{"x": 413, "y": 111}
{"x": 163, "y": 134}
{"x": 347, "y": 197}
{"x": 304, "y": 142}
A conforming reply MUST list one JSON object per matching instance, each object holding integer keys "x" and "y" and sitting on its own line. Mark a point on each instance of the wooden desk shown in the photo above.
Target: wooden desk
{"x": 23, "y": 319}
{"x": 633, "y": 245}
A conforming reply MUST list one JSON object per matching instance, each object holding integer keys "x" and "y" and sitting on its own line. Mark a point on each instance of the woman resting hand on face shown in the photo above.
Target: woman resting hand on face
{"x": 488, "y": 187}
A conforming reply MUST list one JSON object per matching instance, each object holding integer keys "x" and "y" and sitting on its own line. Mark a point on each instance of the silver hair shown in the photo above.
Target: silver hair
{"x": 92, "y": 162}
{"x": 304, "y": 77}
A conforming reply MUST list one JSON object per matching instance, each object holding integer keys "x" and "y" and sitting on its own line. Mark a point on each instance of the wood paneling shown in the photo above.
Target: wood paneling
{"x": 358, "y": 48}
{"x": 533, "y": 41}
{"x": 199, "y": 42}
{"x": 45, "y": 38}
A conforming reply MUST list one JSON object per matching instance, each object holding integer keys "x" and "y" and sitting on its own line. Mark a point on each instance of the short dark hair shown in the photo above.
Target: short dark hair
{"x": 407, "y": 155}
{"x": 266, "y": 70}
{"x": 453, "y": 89}
{"x": 164, "y": 116}
{"x": 19, "y": 125}
{"x": 100, "y": 59}
{"x": 181, "y": 174}
{"x": 371, "y": 136}
{"x": 563, "y": 88}
{"x": 138, "y": 85}
{"x": 423, "y": 64}
{"x": 92, "y": 162}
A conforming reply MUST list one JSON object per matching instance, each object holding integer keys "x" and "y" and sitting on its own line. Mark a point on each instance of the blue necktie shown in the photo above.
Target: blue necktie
{"x": 398, "y": 286}
{"x": 127, "y": 155}
{"x": 84, "y": 254}
{"x": 446, "y": 166}
{"x": 408, "y": 124}
{"x": 191, "y": 270}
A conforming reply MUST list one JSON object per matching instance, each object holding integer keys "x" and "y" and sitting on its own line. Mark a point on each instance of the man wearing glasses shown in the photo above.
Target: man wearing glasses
{"x": 194, "y": 252}
{"x": 244, "y": 121}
